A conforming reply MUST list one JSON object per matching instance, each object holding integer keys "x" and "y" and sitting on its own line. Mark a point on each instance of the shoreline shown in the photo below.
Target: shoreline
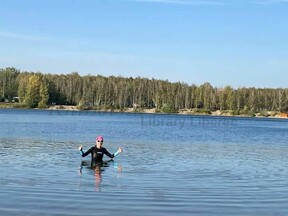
{"x": 270, "y": 114}
{"x": 180, "y": 112}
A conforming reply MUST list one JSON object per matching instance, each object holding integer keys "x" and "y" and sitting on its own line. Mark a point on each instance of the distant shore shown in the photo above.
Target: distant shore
{"x": 268, "y": 114}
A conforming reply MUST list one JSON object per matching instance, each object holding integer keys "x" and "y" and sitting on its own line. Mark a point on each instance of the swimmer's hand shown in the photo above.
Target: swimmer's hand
{"x": 120, "y": 150}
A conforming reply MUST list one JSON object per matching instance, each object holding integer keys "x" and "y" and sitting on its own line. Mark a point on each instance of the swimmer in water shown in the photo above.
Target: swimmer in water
{"x": 97, "y": 152}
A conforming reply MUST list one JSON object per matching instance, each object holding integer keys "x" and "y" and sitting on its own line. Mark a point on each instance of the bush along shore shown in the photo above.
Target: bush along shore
{"x": 119, "y": 94}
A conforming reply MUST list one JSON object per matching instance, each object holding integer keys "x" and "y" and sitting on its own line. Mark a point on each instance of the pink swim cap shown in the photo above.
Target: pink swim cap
{"x": 99, "y": 138}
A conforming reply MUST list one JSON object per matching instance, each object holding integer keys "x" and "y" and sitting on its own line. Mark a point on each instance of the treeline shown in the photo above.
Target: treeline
{"x": 98, "y": 92}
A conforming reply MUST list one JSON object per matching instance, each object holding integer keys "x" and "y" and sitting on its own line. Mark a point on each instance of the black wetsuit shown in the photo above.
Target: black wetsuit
{"x": 97, "y": 155}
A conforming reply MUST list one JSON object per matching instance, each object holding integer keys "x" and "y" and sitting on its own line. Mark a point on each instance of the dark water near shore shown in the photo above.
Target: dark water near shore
{"x": 171, "y": 164}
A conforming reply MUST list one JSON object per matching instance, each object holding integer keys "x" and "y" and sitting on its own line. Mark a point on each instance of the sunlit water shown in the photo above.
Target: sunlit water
{"x": 171, "y": 164}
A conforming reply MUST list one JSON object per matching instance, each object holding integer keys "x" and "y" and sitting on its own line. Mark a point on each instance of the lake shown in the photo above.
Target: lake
{"x": 171, "y": 164}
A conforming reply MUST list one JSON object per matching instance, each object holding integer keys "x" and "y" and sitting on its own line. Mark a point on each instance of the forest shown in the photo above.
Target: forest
{"x": 95, "y": 92}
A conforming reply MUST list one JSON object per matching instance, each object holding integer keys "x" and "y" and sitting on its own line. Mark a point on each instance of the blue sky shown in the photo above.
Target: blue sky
{"x": 238, "y": 43}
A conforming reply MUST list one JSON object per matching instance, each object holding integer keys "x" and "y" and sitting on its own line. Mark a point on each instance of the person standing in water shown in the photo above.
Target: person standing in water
{"x": 97, "y": 152}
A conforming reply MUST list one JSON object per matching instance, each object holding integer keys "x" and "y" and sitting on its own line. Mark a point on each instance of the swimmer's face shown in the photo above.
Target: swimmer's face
{"x": 99, "y": 143}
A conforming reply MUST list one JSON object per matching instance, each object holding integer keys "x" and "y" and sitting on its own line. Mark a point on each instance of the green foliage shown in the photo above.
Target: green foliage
{"x": 6, "y": 105}
{"x": 37, "y": 94}
{"x": 245, "y": 111}
{"x": 168, "y": 108}
{"x": 19, "y": 105}
{"x": 8, "y": 84}
{"x": 32, "y": 97}
{"x": 23, "y": 80}
{"x": 248, "y": 112}
{"x": 36, "y": 90}
{"x": 235, "y": 112}
{"x": 81, "y": 105}
{"x": 202, "y": 111}
{"x": 44, "y": 95}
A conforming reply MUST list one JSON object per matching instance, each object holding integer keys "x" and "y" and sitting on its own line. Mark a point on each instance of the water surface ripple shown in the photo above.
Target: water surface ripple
{"x": 171, "y": 164}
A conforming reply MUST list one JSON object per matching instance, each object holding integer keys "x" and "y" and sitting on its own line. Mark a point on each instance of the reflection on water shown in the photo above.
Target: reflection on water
{"x": 98, "y": 169}
{"x": 175, "y": 167}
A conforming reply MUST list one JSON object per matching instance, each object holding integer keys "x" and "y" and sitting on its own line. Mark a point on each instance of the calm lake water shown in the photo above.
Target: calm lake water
{"x": 171, "y": 164}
